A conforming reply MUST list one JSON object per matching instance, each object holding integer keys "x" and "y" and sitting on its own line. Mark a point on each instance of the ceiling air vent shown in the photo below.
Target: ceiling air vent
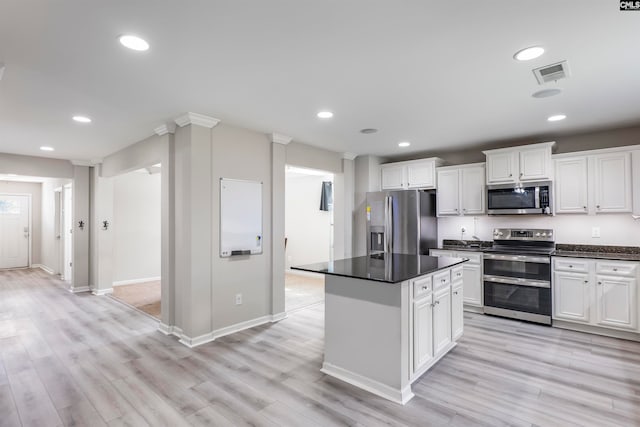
{"x": 552, "y": 73}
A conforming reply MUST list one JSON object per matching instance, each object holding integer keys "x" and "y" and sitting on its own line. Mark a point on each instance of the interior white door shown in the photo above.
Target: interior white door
{"x": 67, "y": 215}
{"x": 14, "y": 231}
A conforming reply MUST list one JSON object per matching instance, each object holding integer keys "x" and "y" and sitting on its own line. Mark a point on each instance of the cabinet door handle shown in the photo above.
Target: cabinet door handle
{"x": 615, "y": 269}
{"x": 584, "y": 207}
{"x": 586, "y": 281}
{"x": 424, "y": 288}
{"x": 443, "y": 280}
{"x": 599, "y": 283}
{"x": 510, "y": 175}
{"x": 598, "y": 206}
{"x": 460, "y": 274}
{"x": 437, "y": 302}
{"x": 570, "y": 266}
{"x": 521, "y": 174}
{"x": 455, "y": 293}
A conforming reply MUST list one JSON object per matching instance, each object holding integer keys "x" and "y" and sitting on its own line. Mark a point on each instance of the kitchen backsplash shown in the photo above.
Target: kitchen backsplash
{"x": 614, "y": 229}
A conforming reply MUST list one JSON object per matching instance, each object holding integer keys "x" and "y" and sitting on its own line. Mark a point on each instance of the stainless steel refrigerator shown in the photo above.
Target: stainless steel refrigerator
{"x": 401, "y": 222}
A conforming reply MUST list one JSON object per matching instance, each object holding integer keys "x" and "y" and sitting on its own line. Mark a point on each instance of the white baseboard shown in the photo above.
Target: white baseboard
{"x": 192, "y": 342}
{"x": 304, "y": 273}
{"x": 135, "y": 281}
{"x": 44, "y": 268}
{"x": 590, "y": 329}
{"x": 400, "y": 396}
{"x": 102, "y": 291}
{"x": 79, "y": 289}
{"x": 278, "y": 317}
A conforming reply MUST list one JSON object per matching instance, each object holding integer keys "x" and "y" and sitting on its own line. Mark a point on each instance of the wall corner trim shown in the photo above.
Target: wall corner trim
{"x": 100, "y": 292}
{"x": 44, "y": 268}
{"x": 165, "y": 129}
{"x": 218, "y": 333}
{"x": 196, "y": 119}
{"x": 79, "y": 289}
{"x": 279, "y": 138}
{"x": 349, "y": 156}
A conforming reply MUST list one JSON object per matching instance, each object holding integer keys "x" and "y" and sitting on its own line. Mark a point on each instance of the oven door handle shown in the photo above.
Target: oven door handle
{"x": 517, "y": 281}
{"x": 519, "y": 258}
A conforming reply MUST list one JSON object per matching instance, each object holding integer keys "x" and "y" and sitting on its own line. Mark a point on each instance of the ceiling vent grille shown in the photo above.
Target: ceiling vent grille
{"x": 552, "y": 73}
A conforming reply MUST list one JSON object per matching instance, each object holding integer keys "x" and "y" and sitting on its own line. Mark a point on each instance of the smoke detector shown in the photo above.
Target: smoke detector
{"x": 552, "y": 73}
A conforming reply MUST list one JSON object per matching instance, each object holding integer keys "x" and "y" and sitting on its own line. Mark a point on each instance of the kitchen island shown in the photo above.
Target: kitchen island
{"x": 389, "y": 318}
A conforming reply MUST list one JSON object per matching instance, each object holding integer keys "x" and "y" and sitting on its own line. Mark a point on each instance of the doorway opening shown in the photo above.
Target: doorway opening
{"x": 136, "y": 232}
{"x": 15, "y": 230}
{"x": 308, "y": 233}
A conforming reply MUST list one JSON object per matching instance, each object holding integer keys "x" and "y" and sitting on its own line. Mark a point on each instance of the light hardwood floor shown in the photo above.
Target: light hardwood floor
{"x": 85, "y": 360}
{"x": 143, "y": 296}
{"x": 302, "y": 291}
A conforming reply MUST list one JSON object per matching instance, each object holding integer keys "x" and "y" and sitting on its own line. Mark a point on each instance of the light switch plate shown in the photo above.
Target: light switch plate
{"x": 595, "y": 232}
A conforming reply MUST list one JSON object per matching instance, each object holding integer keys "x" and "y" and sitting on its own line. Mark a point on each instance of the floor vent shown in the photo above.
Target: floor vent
{"x": 552, "y": 73}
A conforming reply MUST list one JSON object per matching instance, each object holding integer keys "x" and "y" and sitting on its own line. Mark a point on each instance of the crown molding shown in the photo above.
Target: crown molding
{"x": 165, "y": 129}
{"x": 279, "y": 138}
{"x": 91, "y": 162}
{"x": 349, "y": 156}
{"x": 197, "y": 119}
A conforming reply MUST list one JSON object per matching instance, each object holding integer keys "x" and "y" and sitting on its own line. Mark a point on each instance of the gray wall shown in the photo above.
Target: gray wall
{"x": 35, "y": 190}
{"x": 136, "y": 226}
{"x": 367, "y": 178}
{"x": 564, "y": 144}
{"x": 35, "y": 166}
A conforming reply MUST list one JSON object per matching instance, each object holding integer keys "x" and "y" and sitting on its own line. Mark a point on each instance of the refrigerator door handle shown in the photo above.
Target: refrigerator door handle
{"x": 389, "y": 225}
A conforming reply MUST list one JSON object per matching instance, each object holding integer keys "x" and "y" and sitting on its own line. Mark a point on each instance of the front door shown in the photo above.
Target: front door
{"x": 14, "y": 231}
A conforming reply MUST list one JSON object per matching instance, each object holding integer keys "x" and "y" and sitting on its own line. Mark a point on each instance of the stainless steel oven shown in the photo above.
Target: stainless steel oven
{"x": 517, "y": 275}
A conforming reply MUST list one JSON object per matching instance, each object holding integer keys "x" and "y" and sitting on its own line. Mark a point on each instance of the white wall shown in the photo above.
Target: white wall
{"x": 615, "y": 229}
{"x": 307, "y": 228}
{"x": 50, "y": 247}
{"x": 35, "y": 190}
{"x": 136, "y": 226}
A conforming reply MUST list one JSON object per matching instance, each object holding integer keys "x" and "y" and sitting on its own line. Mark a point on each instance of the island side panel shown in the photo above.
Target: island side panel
{"x": 364, "y": 327}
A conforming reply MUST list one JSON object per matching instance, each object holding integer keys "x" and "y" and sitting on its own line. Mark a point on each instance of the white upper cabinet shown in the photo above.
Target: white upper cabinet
{"x": 393, "y": 177}
{"x": 410, "y": 174}
{"x": 473, "y": 190}
{"x": 523, "y": 163}
{"x": 535, "y": 164}
{"x": 461, "y": 190}
{"x": 502, "y": 167}
{"x": 613, "y": 182}
{"x": 635, "y": 169}
{"x": 571, "y": 185}
{"x": 598, "y": 183}
{"x": 448, "y": 195}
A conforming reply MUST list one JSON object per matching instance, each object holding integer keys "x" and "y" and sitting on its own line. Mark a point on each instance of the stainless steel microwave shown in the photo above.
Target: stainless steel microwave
{"x": 533, "y": 198}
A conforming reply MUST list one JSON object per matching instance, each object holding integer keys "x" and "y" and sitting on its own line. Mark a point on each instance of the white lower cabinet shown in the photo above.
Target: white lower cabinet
{"x": 457, "y": 310}
{"x": 603, "y": 293}
{"x": 472, "y": 274}
{"x": 422, "y": 332}
{"x": 571, "y": 296}
{"x": 441, "y": 320}
{"x": 616, "y": 302}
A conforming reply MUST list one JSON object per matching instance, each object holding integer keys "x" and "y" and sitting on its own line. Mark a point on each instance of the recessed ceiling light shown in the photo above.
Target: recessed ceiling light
{"x": 133, "y": 42}
{"x": 545, "y": 93}
{"x": 529, "y": 53}
{"x": 367, "y": 131}
{"x": 325, "y": 114}
{"x": 556, "y": 118}
{"x": 82, "y": 119}
{"x": 404, "y": 144}
{"x": 46, "y": 148}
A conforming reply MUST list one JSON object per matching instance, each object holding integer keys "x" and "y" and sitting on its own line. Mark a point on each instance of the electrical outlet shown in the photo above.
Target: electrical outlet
{"x": 595, "y": 232}
{"x": 238, "y": 299}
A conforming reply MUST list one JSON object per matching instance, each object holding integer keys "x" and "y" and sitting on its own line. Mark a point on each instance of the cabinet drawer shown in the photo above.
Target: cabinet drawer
{"x": 422, "y": 286}
{"x": 457, "y": 275}
{"x": 617, "y": 268}
{"x": 571, "y": 264}
{"x": 441, "y": 280}
{"x": 474, "y": 258}
{"x": 442, "y": 252}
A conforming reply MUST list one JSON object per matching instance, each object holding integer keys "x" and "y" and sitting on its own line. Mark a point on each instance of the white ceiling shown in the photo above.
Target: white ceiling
{"x": 437, "y": 73}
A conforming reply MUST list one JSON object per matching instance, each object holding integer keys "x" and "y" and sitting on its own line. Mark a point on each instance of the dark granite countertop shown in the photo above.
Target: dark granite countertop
{"x": 466, "y": 245}
{"x": 390, "y": 268}
{"x": 619, "y": 253}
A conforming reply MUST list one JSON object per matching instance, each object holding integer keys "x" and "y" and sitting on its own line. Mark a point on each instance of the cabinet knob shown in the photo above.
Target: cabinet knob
{"x": 443, "y": 280}
{"x": 586, "y": 281}
{"x": 570, "y": 266}
{"x": 584, "y": 207}
{"x": 598, "y": 206}
{"x": 460, "y": 274}
{"x": 599, "y": 283}
{"x": 437, "y": 302}
{"x": 521, "y": 174}
{"x": 424, "y": 288}
{"x": 510, "y": 175}
{"x": 615, "y": 269}
{"x": 455, "y": 293}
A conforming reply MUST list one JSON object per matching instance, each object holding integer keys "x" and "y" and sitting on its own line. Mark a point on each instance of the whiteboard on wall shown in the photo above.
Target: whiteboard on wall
{"x": 240, "y": 217}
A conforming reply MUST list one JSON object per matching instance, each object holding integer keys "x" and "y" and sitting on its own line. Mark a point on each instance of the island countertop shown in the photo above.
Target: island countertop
{"x": 389, "y": 268}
